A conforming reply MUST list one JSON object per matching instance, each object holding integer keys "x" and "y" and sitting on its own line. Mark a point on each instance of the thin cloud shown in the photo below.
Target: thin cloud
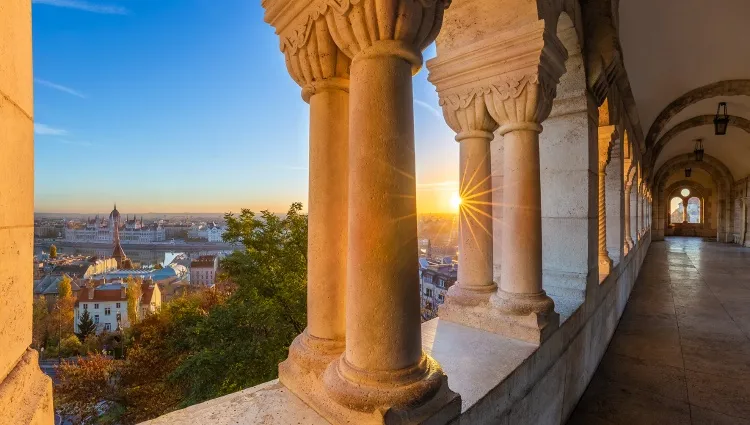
{"x": 433, "y": 110}
{"x": 446, "y": 185}
{"x": 59, "y": 87}
{"x": 45, "y": 130}
{"x": 73, "y": 143}
{"x": 85, "y": 6}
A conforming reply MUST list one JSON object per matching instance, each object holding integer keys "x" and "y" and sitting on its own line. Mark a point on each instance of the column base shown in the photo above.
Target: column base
{"x": 310, "y": 354}
{"x": 469, "y": 295}
{"x": 308, "y": 358}
{"x": 531, "y": 319}
{"x": 345, "y": 395}
{"x": 605, "y": 266}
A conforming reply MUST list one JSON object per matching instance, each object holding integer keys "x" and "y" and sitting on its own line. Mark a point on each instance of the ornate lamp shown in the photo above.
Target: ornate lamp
{"x": 688, "y": 172}
{"x": 721, "y": 120}
{"x": 698, "y": 151}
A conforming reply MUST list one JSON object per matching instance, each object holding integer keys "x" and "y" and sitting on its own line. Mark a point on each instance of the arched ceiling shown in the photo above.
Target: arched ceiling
{"x": 677, "y": 52}
{"x": 733, "y": 149}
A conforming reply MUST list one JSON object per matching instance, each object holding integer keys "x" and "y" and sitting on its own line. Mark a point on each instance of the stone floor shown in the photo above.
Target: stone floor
{"x": 681, "y": 353}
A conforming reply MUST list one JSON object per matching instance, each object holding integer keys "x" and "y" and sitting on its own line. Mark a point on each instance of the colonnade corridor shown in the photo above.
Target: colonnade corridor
{"x": 681, "y": 353}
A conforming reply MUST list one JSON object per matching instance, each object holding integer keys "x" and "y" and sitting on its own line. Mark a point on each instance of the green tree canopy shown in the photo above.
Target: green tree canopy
{"x": 86, "y": 326}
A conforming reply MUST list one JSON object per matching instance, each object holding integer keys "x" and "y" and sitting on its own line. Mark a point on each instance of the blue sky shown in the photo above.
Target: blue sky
{"x": 184, "y": 106}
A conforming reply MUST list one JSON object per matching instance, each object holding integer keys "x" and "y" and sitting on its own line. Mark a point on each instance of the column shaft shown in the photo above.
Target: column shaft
{"x": 628, "y": 238}
{"x": 328, "y": 214}
{"x": 522, "y": 214}
{"x": 475, "y": 218}
{"x": 605, "y": 263}
{"x": 382, "y": 317}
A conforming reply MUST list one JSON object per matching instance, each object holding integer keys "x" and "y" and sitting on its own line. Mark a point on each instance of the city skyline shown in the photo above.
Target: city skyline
{"x": 160, "y": 106}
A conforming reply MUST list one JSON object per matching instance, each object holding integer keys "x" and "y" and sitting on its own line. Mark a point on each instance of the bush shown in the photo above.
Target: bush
{"x": 92, "y": 345}
{"x": 70, "y": 346}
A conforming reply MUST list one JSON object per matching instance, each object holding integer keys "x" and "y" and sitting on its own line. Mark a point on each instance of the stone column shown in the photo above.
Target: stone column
{"x": 25, "y": 392}
{"x": 628, "y": 245}
{"x": 322, "y": 70}
{"x": 519, "y": 110}
{"x": 475, "y": 129}
{"x": 637, "y": 210}
{"x": 383, "y": 371}
{"x": 605, "y": 141}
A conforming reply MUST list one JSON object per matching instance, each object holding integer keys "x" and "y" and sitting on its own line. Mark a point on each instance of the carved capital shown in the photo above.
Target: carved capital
{"x": 403, "y": 28}
{"x": 521, "y": 104}
{"x": 469, "y": 118}
{"x": 516, "y": 72}
{"x": 312, "y": 57}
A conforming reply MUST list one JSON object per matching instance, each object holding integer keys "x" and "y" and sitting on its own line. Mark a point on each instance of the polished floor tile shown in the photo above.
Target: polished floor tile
{"x": 681, "y": 352}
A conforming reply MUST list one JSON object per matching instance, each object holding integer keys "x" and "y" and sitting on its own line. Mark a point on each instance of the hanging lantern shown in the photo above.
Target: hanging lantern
{"x": 688, "y": 172}
{"x": 698, "y": 151}
{"x": 721, "y": 120}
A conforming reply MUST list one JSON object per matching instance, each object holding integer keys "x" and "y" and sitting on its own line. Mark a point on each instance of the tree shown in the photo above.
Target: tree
{"x": 133, "y": 292}
{"x": 40, "y": 323}
{"x": 70, "y": 346}
{"x": 52, "y": 251}
{"x": 64, "y": 287}
{"x": 86, "y": 326}
{"x": 61, "y": 323}
{"x": 214, "y": 341}
{"x": 241, "y": 341}
{"x": 88, "y": 389}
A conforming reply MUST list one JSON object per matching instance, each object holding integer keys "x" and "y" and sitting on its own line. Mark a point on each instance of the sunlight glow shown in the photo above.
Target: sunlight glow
{"x": 455, "y": 201}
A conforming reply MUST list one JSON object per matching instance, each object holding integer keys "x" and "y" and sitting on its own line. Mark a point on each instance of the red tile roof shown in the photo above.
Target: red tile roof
{"x": 115, "y": 295}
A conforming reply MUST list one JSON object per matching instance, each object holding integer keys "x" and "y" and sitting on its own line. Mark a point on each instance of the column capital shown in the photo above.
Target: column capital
{"x": 469, "y": 118}
{"x": 516, "y": 72}
{"x": 371, "y": 28}
{"x": 606, "y": 137}
{"x": 312, "y": 58}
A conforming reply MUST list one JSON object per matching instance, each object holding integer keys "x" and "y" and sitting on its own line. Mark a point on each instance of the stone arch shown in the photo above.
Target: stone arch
{"x": 673, "y": 190}
{"x": 701, "y": 120}
{"x": 721, "y": 88}
{"x": 718, "y": 172}
{"x": 710, "y": 164}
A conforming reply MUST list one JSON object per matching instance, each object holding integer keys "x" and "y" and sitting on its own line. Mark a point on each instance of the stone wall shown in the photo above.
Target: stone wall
{"x": 545, "y": 388}
{"x": 25, "y": 393}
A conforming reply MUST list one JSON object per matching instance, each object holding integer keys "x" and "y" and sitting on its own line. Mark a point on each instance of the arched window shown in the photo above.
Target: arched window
{"x": 694, "y": 210}
{"x": 676, "y": 213}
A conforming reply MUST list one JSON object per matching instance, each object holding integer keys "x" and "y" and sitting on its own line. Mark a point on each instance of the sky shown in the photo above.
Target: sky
{"x": 185, "y": 106}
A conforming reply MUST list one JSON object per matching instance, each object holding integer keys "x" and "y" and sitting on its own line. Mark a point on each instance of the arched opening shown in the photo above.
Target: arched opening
{"x": 676, "y": 210}
{"x": 694, "y": 210}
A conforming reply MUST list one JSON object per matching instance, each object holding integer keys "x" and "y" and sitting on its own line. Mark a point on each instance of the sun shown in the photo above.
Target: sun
{"x": 455, "y": 201}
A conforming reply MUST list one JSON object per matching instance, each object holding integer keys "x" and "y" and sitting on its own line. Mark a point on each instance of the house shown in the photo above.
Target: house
{"x": 203, "y": 270}
{"x": 107, "y": 304}
{"x": 434, "y": 280}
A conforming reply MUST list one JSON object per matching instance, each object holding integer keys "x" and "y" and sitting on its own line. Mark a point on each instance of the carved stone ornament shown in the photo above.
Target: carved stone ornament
{"x": 521, "y": 66}
{"x": 367, "y": 28}
{"x": 312, "y": 57}
{"x": 469, "y": 118}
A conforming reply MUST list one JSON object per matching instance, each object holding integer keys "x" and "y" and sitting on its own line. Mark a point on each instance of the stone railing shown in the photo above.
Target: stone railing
{"x": 501, "y": 380}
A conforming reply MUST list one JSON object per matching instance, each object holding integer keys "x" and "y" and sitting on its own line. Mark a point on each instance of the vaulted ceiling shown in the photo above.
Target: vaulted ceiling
{"x": 676, "y": 47}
